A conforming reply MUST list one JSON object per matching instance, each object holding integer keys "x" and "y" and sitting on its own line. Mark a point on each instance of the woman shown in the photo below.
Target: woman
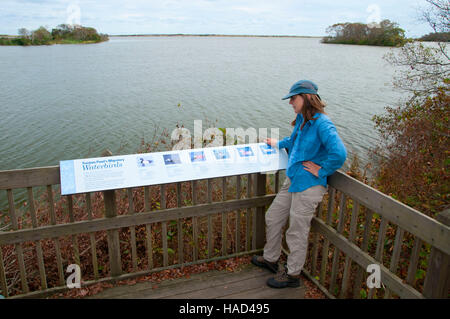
{"x": 315, "y": 152}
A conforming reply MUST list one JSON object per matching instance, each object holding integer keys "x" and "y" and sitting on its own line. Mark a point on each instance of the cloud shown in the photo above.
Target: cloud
{"x": 293, "y": 17}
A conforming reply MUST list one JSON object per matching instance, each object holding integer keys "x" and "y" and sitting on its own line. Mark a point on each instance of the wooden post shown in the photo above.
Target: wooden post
{"x": 164, "y": 227}
{"x": 340, "y": 228}
{"x": 326, "y": 242}
{"x": 260, "y": 212}
{"x": 315, "y": 250}
{"x": 364, "y": 246}
{"x": 348, "y": 261}
{"x": 224, "y": 218}
{"x": 437, "y": 282}
{"x": 55, "y": 240}
{"x": 148, "y": 229}
{"x": 40, "y": 255}
{"x": 380, "y": 248}
{"x": 238, "y": 216}
{"x": 92, "y": 237}
{"x": 19, "y": 248}
{"x": 113, "y": 235}
{"x": 210, "y": 225}
{"x": 180, "y": 228}
{"x": 76, "y": 247}
{"x": 248, "y": 214}
{"x": 395, "y": 257}
{"x": 195, "y": 251}
{"x": 413, "y": 260}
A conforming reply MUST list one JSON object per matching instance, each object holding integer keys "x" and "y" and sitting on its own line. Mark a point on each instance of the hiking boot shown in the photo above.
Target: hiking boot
{"x": 283, "y": 280}
{"x": 261, "y": 262}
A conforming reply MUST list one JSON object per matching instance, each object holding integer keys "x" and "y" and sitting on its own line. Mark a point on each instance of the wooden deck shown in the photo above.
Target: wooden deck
{"x": 204, "y": 211}
{"x": 248, "y": 283}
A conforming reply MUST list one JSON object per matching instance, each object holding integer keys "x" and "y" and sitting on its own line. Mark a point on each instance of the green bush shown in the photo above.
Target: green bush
{"x": 5, "y": 41}
{"x": 63, "y": 34}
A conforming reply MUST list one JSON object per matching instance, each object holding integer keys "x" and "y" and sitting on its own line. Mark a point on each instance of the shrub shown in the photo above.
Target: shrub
{"x": 414, "y": 162}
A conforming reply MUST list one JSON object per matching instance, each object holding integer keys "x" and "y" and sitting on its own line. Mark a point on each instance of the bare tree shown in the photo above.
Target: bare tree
{"x": 425, "y": 68}
{"x": 24, "y": 33}
{"x": 438, "y": 15}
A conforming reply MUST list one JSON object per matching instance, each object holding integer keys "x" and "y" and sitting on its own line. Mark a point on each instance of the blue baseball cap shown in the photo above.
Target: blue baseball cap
{"x": 302, "y": 86}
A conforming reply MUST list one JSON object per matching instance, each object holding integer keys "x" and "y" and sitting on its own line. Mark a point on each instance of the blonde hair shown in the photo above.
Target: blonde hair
{"x": 312, "y": 104}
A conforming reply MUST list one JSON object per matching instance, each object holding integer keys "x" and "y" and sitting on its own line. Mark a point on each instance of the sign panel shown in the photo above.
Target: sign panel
{"x": 124, "y": 171}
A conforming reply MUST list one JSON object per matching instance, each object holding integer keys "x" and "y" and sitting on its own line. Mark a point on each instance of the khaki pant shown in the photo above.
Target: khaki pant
{"x": 299, "y": 207}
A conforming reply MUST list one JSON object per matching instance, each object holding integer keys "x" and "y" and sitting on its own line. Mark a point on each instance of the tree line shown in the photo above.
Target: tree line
{"x": 385, "y": 33}
{"x": 436, "y": 37}
{"x": 63, "y": 33}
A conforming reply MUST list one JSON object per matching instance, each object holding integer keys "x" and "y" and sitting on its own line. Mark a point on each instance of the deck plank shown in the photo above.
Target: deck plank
{"x": 248, "y": 283}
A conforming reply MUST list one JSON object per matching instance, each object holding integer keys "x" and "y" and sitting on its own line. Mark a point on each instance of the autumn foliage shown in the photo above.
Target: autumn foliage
{"x": 385, "y": 33}
{"x": 414, "y": 154}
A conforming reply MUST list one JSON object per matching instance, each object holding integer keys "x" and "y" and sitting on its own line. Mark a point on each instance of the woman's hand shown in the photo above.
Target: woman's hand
{"x": 271, "y": 141}
{"x": 311, "y": 167}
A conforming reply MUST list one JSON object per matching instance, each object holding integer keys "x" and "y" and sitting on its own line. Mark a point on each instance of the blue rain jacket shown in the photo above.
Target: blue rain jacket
{"x": 317, "y": 142}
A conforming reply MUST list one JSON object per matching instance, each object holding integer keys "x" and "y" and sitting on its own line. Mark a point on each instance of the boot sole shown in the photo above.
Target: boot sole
{"x": 288, "y": 285}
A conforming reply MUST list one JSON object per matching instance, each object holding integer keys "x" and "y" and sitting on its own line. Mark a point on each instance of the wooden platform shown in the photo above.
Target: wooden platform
{"x": 248, "y": 283}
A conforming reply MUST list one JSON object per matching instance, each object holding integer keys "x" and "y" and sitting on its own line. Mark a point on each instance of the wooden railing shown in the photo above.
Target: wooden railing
{"x": 359, "y": 226}
{"x": 213, "y": 219}
{"x": 228, "y": 217}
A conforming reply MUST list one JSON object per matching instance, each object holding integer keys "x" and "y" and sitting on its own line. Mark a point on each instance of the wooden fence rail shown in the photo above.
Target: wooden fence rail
{"x": 366, "y": 227}
{"x": 218, "y": 218}
{"x": 23, "y": 243}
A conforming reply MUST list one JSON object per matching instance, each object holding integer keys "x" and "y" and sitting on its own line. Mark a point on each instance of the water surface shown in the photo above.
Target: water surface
{"x": 65, "y": 102}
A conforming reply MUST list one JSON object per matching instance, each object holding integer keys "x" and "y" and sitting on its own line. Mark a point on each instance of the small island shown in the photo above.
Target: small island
{"x": 62, "y": 34}
{"x": 385, "y": 33}
{"x": 436, "y": 37}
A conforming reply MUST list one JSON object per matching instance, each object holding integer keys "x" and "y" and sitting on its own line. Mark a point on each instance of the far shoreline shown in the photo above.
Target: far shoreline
{"x": 213, "y": 35}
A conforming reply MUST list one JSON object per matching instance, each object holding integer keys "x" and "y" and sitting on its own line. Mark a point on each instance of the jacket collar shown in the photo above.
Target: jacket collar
{"x": 299, "y": 119}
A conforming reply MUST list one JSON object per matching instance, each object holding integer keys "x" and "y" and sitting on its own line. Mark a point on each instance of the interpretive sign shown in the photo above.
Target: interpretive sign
{"x": 104, "y": 173}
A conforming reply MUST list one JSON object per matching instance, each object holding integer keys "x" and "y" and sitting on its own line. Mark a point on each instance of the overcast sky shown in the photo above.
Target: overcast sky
{"x": 257, "y": 17}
